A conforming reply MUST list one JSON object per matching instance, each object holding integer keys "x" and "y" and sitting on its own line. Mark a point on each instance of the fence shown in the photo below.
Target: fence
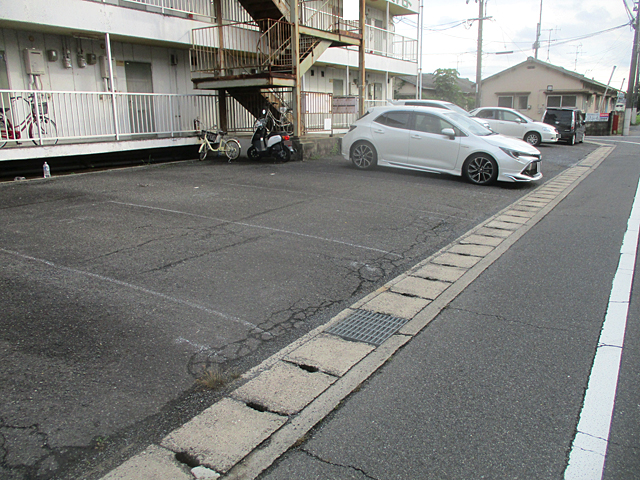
{"x": 30, "y": 117}
{"x": 48, "y": 117}
{"x": 326, "y": 15}
{"x": 242, "y": 48}
{"x": 389, "y": 44}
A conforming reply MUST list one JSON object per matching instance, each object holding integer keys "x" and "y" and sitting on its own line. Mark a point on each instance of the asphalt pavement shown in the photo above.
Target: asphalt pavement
{"x": 121, "y": 286}
{"x": 494, "y": 386}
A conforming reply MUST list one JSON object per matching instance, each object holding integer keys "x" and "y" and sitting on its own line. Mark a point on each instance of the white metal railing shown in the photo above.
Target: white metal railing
{"x": 326, "y": 15}
{"x": 231, "y": 11}
{"x": 202, "y": 8}
{"x": 389, "y": 44}
{"x": 48, "y": 117}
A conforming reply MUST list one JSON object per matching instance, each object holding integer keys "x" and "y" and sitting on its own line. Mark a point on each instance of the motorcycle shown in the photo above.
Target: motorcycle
{"x": 266, "y": 143}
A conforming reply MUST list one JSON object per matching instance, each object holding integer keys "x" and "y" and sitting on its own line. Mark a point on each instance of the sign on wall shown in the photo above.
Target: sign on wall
{"x": 597, "y": 117}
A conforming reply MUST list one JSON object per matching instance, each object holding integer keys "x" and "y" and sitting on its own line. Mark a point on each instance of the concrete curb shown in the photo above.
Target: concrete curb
{"x": 326, "y": 369}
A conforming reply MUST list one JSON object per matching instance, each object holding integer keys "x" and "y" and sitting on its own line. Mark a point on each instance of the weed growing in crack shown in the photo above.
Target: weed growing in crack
{"x": 215, "y": 377}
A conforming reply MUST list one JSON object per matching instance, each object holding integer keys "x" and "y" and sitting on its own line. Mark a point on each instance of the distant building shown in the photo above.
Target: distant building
{"x": 533, "y": 85}
{"x": 405, "y": 87}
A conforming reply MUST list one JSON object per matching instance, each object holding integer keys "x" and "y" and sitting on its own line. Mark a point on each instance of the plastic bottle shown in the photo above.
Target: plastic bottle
{"x": 46, "y": 170}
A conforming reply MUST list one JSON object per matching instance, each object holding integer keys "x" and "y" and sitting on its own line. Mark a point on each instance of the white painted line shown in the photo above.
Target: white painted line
{"x": 589, "y": 449}
{"x": 134, "y": 287}
{"x": 250, "y": 225}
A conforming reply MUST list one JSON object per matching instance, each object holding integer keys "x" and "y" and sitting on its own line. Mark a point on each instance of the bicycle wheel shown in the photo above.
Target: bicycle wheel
{"x": 204, "y": 149}
{"x": 4, "y": 134}
{"x": 232, "y": 149}
{"x": 48, "y": 132}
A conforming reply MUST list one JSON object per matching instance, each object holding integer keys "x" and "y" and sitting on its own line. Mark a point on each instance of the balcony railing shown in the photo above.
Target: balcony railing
{"x": 231, "y": 11}
{"x": 247, "y": 48}
{"x": 48, "y": 117}
{"x": 389, "y": 44}
{"x": 326, "y": 15}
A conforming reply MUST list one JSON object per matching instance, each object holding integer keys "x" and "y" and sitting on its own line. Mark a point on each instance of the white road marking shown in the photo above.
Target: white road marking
{"x": 250, "y": 225}
{"x": 589, "y": 449}
{"x": 135, "y": 287}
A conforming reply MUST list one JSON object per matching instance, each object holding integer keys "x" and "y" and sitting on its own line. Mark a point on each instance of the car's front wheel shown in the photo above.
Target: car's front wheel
{"x": 364, "y": 155}
{"x": 533, "y": 138}
{"x": 480, "y": 169}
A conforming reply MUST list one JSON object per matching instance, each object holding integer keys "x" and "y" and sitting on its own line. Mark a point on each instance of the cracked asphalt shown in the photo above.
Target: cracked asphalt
{"x": 120, "y": 287}
{"x": 493, "y": 387}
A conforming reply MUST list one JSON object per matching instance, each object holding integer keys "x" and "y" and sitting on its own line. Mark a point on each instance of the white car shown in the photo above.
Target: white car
{"x": 438, "y": 141}
{"x": 512, "y": 123}
{"x": 423, "y": 102}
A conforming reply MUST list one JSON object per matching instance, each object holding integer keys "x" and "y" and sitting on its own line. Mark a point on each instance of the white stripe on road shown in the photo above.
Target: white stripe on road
{"x": 135, "y": 287}
{"x": 288, "y": 232}
{"x": 589, "y": 449}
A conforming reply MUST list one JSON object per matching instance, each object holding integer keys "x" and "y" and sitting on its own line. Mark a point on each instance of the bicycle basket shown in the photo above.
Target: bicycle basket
{"x": 212, "y": 136}
{"x": 43, "y": 108}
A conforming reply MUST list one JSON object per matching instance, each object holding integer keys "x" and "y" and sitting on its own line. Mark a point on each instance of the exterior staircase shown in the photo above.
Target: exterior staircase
{"x": 252, "y": 77}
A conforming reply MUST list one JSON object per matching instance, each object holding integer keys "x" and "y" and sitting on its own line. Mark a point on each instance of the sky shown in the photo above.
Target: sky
{"x": 572, "y": 27}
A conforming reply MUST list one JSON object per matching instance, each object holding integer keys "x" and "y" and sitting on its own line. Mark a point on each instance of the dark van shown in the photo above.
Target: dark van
{"x": 569, "y": 122}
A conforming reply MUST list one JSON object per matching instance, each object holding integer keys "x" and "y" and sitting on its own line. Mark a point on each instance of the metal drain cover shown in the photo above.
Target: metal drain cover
{"x": 368, "y": 327}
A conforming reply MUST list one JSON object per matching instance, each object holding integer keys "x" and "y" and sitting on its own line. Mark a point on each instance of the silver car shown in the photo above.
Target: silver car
{"x": 438, "y": 141}
{"x": 512, "y": 123}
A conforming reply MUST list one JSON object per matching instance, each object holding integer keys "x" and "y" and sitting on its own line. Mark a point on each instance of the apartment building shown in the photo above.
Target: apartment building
{"x": 93, "y": 76}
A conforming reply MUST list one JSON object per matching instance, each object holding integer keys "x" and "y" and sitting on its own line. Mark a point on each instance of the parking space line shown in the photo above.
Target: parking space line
{"x": 262, "y": 227}
{"x": 188, "y": 303}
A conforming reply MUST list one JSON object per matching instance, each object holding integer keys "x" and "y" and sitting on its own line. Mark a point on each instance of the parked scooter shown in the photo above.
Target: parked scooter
{"x": 265, "y": 143}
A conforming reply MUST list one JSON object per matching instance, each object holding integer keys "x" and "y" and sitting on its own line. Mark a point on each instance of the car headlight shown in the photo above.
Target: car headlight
{"x": 520, "y": 156}
{"x": 549, "y": 129}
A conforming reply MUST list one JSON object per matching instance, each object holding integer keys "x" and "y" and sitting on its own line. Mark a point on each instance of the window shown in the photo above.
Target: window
{"x": 431, "y": 124}
{"x": 523, "y": 102}
{"x": 510, "y": 117}
{"x": 394, "y": 119}
{"x": 554, "y": 101}
{"x": 562, "y": 101}
{"x": 486, "y": 114}
{"x": 506, "y": 102}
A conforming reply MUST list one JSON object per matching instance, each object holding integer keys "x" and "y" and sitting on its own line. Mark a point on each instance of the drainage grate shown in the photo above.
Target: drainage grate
{"x": 368, "y": 327}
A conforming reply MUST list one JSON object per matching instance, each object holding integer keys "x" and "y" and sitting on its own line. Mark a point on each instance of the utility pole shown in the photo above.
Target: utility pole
{"x": 536, "y": 45}
{"x": 361, "y": 56}
{"x": 632, "y": 76}
{"x": 420, "y": 35}
{"x": 480, "y": 18}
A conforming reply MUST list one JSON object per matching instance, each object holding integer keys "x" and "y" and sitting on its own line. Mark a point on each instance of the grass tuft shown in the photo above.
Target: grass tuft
{"x": 215, "y": 377}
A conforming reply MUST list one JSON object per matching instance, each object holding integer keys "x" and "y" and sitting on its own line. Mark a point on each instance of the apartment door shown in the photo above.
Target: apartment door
{"x": 141, "y": 107}
{"x": 338, "y": 87}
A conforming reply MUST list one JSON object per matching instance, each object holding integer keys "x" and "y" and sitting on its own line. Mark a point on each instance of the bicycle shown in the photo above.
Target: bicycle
{"x": 282, "y": 124}
{"x": 36, "y": 123}
{"x": 214, "y": 141}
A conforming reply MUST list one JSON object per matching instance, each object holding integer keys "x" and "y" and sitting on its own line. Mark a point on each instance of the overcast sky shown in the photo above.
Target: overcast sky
{"x": 571, "y": 25}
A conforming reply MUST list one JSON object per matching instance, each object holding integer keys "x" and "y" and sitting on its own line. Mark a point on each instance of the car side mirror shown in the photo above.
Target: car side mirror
{"x": 449, "y": 132}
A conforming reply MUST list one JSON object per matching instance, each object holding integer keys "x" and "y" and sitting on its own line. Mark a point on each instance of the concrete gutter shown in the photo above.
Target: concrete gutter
{"x": 285, "y": 396}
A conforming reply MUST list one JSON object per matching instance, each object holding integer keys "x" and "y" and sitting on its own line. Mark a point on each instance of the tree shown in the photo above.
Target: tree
{"x": 446, "y": 83}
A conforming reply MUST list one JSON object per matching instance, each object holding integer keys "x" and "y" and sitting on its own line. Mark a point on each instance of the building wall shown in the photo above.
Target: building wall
{"x": 534, "y": 80}
{"x": 91, "y": 18}
{"x": 166, "y": 78}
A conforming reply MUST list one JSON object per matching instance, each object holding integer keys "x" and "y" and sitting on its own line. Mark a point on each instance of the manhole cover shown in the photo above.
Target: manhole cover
{"x": 368, "y": 327}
